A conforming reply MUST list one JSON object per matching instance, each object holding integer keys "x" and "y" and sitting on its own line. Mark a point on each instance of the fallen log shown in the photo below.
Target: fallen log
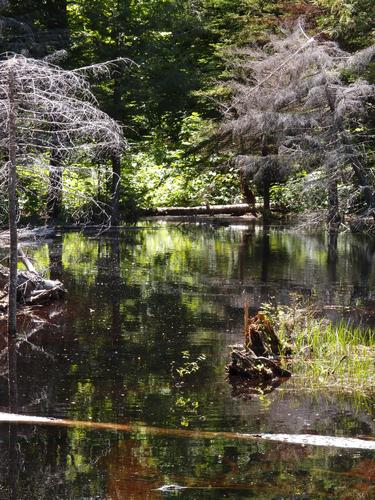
{"x": 31, "y": 287}
{"x": 298, "y": 439}
{"x": 37, "y": 233}
{"x": 238, "y": 209}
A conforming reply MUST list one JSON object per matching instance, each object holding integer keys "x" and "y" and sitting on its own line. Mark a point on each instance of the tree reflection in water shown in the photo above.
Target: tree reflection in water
{"x": 136, "y": 301}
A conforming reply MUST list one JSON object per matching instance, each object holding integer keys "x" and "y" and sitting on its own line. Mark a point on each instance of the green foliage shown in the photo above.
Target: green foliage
{"x": 168, "y": 99}
{"x": 33, "y": 191}
{"x": 159, "y": 175}
{"x": 326, "y": 355}
{"x": 189, "y": 367}
{"x": 349, "y": 21}
{"x": 303, "y": 192}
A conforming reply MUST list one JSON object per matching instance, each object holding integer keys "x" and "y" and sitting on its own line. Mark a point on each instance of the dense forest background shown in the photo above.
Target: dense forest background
{"x": 169, "y": 96}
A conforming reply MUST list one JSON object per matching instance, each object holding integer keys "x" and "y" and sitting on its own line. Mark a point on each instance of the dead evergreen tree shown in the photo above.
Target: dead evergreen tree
{"x": 293, "y": 106}
{"x": 44, "y": 108}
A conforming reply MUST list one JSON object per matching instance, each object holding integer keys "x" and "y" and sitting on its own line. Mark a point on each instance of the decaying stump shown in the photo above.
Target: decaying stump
{"x": 258, "y": 358}
{"x": 31, "y": 287}
{"x": 247, "y": 364}
{"x": 260, "y": 337}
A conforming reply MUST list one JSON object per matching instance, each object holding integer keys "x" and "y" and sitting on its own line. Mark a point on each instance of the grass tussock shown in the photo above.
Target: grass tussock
{"x": 326, "y": 355}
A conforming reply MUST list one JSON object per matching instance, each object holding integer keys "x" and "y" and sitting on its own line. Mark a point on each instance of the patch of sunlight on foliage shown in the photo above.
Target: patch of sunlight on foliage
{"x": 161, "y": 175}
{"x": 80, "y": 188}
{"x": 326, "y": 355}
{"x": 33, "y": 189}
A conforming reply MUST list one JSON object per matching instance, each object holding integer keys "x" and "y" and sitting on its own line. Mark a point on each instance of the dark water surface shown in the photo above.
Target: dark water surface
{"x": 140, "y": 308}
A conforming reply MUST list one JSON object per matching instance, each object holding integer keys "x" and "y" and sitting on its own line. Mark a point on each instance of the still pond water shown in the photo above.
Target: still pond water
{"x": 141, "y": 306}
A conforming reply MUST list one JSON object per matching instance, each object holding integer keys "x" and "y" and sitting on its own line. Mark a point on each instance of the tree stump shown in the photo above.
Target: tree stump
{"x": 246, "y": 363}
{"x": 258, "y": 358}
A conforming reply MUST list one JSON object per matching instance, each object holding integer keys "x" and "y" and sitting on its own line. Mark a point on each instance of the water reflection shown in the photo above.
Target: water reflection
{"x": 138, "y": 301}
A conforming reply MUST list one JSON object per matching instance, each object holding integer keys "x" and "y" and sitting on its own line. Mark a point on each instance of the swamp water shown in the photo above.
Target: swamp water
{"x": 142, "y": 309}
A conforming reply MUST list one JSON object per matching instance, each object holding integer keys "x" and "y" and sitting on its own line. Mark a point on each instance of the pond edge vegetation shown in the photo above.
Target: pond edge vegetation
{"x": 331, "y": 356}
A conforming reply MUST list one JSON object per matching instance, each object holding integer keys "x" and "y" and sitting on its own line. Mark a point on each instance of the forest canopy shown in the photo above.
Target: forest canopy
{"x": 191, "y": 61}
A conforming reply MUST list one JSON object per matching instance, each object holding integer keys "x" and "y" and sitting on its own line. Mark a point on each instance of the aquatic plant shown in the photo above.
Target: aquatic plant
{"x": 334, "y": 356}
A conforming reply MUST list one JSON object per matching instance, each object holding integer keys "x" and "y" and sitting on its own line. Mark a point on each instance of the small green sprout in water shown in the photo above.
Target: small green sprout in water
{"x": 189, "y": 367}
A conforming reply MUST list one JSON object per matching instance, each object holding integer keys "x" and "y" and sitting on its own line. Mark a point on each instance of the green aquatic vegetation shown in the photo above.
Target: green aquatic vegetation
{"x": 332, "y": 356}
{"x": 189, "y": 367}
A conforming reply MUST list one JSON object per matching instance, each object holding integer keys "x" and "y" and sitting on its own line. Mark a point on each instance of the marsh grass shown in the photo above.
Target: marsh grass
{"x": 326, "y": 355}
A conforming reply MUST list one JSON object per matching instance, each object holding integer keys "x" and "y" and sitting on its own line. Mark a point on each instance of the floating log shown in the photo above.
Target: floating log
{"x": 298, "y": 439}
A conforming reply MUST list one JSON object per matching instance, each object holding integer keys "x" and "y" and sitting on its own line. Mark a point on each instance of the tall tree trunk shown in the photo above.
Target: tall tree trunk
{"x": 266, "y": 197}
{"x": 266, "y": 182}
{"x": 116, "y": 158}
{"x": 115, "y": 202}
{"x": 247, "y": 193}
{"x": 54, "y": 200}
{"x": 333, "y": 217}
{"x": 12, "y": 206}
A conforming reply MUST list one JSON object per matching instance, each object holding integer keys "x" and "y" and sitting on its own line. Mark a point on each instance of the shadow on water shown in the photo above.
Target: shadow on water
{"x": 144, "y": 299}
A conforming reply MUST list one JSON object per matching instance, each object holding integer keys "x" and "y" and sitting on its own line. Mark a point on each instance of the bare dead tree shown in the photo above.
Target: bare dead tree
{"x": 293, "y": 106}
{"x": 44, "y": 107}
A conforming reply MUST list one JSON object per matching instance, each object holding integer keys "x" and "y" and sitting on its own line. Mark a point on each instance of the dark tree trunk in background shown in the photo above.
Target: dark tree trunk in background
{"x": 116, "y": 158}
{"x": 56, "y": 10}
{"x": 266, "y": 196}
{"x": 115, "y": 201}
{"x": 248, "y": 194}
{"x": 12, "y": 206}
{"x": 54, "y": 200}
{"x": 333, "y": 217}
{"x": 266, "y": 181}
